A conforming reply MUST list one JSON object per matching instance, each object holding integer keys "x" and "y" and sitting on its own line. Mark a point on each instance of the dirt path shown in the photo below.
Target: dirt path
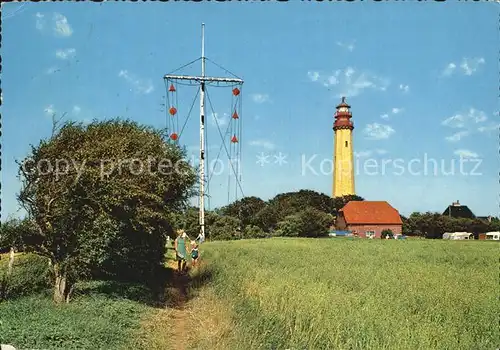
{"x": 174, "y": 326}
{"x": 178, "y": 312}
{"x": 193, "y": 318}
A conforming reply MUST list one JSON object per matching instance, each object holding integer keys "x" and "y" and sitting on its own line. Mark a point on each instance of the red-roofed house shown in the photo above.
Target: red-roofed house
{"x": 369, "y": 218}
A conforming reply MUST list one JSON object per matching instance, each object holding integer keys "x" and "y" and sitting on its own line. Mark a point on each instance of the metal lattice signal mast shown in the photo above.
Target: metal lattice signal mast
{"x": 202, "y": 80}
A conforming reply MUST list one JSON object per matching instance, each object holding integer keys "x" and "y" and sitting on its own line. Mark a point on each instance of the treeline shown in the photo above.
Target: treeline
{"x": 307, "y": 213}
{"x": 433, "y": 225}
{"x": 304, "y": 213}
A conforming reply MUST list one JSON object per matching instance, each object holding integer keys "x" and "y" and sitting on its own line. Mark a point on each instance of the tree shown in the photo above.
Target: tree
{"x": 309, "y": 222}
{"x": 17, "y": 234}
{"x": 267, "y": 218}
{"x": 340, "y": 202}
{"x": 100, "y": 195}
{"x": 244, "y": 209}
{"x": 224, "y": 227}
{"x": 293, "y": 202}
{"x": 187, "y": 219}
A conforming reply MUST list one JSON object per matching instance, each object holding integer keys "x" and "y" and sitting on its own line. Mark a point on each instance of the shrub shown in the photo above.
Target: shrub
{"x": 223, "y": 228}
{"x": 31, "y": 274}
{"x": 252, "y": 231}
{"x": 306, "y": 223}
{"x": 386, "y": 233}
{"x": 291, "y": 226}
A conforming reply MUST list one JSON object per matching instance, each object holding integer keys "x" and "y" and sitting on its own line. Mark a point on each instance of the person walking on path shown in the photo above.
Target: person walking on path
{"x": 180, "y": 250}
{"x": 200, "y": 238}
{"x": 195, "y": 254}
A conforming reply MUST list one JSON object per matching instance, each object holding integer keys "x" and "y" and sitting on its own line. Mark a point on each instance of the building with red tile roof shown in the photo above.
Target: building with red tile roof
{"x": 369, "y": 218}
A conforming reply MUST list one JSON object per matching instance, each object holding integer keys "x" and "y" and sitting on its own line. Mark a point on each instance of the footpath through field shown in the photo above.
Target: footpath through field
{"x": 191, "y": 314}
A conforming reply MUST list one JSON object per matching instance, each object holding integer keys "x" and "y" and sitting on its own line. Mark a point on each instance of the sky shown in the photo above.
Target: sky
{"x": 421, "y": 78}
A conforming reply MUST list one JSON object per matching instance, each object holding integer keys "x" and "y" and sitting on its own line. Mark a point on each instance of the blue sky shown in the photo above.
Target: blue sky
{"x": 422, "y": 80}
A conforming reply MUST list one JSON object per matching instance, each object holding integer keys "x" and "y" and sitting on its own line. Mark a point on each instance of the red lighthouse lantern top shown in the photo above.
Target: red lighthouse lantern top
{"x": 343, "y": 116}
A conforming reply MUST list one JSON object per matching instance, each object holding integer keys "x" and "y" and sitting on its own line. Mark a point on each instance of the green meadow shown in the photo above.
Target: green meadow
{"x": 356, "y": 294}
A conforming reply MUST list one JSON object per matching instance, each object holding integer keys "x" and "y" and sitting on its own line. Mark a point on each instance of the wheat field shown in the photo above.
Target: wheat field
{"x": 350, "y": 294}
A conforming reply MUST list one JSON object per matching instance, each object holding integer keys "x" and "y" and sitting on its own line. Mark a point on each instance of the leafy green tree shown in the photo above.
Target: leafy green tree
{"x": 315, "y": 223}
{"x": 309, "y": 222}
{"x": 340, "y": 202}
{"x": 433, "y": 225}
{"x": 292, "y": 202}
{"x": 188, "y": 220}
{"x": 100, "y": 196}
{"x": 290, "y": 226}
{"x": 494, "y": 225}
{"x": 223, "y": 227}
{"x": 18, "y": 234}
{"x": 267, "y": 218}
{"x": 244, "y": 209}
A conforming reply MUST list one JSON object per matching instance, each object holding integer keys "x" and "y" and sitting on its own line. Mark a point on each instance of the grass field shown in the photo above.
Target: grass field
{"x": 292, "y": 294}
{"x": 353, "y": 294}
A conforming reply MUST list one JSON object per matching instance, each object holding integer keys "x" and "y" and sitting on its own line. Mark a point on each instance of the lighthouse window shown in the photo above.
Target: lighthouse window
{"x": 346, "y": 143}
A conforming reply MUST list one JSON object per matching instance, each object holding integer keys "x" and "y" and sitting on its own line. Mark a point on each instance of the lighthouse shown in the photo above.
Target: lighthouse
{"x": 343, "y": 157}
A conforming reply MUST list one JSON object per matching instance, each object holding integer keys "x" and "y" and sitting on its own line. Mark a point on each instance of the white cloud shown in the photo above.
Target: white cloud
{"x": 349, "y": 82}
{"x": 381, "y": 151}
{"x": 61, "y": 25}
{"x": 467, "y": 66}
{"x": 450, "y": 68}
{"x": 363, "y": 154}
{"x": 40, "y": 21}
{"x": 395, "y": 110}
{"x": 490, "y": 127}
{"x": 260, "y": 98}
{"x": 76, "y": 109}
{"x": 404, "y": 88}
{"x": 138, "y": 85}
{"x": 457, "y": 136}
{"x": 262, "y": 143}
{"x": 65, "y": 54}
{"x": 314, "y": 76}
{"x": 462, "y": 120}
{"x": 464, "y": 153}
{"x": 49, "y": 110}
{"x": 376, "y": 131}
{"x": 456, "y": 121}
{"x": 471, "y": 65}
{"x": 220, "y": 120}
{"x": 349, "y": 47}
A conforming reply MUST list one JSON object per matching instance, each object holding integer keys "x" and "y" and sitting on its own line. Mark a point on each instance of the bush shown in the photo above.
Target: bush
{"x": 31, "y": 274}
{"x": 223, "y": 228}
{"x": 386, "y": 233}
{"x": 252, "y": 231}
{"x": 291, "y": 226}
{"x": 306, "y": 223}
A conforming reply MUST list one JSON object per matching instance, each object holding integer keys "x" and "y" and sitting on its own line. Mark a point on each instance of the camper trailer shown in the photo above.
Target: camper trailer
{"x": 493, "y": 236}
{"x": 458, "y": 235}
